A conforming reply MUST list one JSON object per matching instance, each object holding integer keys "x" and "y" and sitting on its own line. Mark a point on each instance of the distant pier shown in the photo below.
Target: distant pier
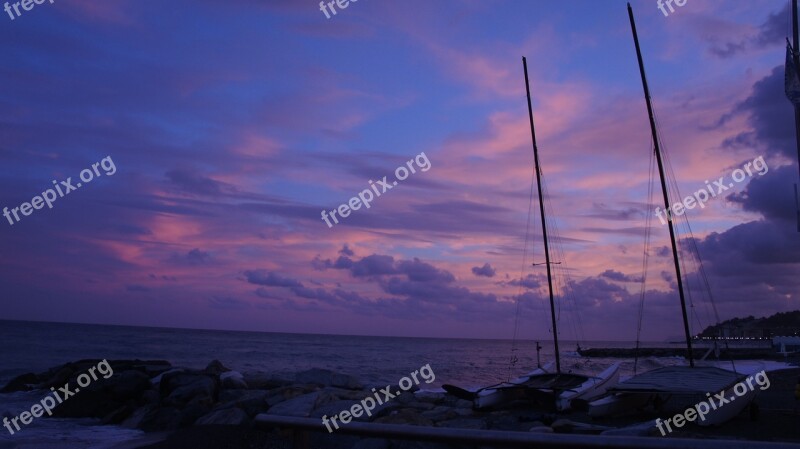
{"x": 733, "y": 351}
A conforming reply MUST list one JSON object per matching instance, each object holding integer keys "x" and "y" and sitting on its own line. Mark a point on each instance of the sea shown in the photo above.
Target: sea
{"x": 468, "y": 363}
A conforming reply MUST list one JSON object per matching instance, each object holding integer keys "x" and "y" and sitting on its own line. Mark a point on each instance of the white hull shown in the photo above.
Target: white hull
{"x": 592, "y": 388}
{"x": 672, "y": 404}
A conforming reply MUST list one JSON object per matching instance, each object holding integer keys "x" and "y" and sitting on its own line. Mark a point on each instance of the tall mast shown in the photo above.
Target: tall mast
{"x": 663, "y": 188}
{"x": 796, "y": 58}
{"x": 544, "y": 225}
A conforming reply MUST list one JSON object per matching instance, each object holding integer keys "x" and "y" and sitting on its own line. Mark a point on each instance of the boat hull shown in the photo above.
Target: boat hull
{"x": 560, "y": 392}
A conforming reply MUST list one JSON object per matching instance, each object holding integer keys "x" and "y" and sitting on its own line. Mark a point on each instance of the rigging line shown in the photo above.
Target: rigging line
{"x": 512, "y": 359}
{"x": 645, "y": 251}
{"x": 699, "y": 270}
{"x": 672, "y": 181}
{"x": 704, "y": 277}
{"x": 560, "y": 269}
{"x": 549, "y": 223}
{"x": 564, "y": 278}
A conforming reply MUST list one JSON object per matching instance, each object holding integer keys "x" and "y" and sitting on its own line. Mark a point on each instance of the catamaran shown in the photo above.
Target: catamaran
{"x": 547, "y": 384}
{"x": 672, "y": 389}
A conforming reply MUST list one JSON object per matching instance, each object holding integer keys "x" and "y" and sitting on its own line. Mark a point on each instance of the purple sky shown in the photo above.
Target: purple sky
{"x": 233, "y": 125}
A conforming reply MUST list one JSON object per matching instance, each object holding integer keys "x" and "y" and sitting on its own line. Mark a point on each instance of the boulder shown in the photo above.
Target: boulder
{"x": 264, "y": 381}
{"x": 232, "y": 380}
{"x": 429, "y": 396}
{"x": 251, "y": 402}
{"x": 440, "y": 413}
{"x": 299, "y": 406}
{"x": 181, "y": 388}
{"x": 105, "y": 398}
{"x": 23, "y": 382}
{"x": 281, "y": 394}
{"x": 155, "y": 419}
{"x": 215, "y": 368}
{"x": 225, "y": 417}
{"x": 326, "y": 377}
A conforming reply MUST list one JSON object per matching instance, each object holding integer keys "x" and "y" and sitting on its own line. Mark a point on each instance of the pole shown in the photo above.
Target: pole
{"x": 663, "y": 187}
{"x": 796, "y": 58}
{"x": 541, "y": 210}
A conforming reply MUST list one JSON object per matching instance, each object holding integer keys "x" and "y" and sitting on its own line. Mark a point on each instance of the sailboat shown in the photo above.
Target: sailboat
{"x": 546, "y": 384}
{"x": 792, "y": 77}
{"x": 672, "y": 389}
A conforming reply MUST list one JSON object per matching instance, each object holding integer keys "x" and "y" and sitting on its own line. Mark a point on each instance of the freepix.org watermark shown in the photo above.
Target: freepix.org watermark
{"x": 342, "y": 4}
{"x": 49, "y": 196}
{"x": 702, "y": 408}
{"x": 700, "y": 197}
{"x": 661, "y": 3}
{"x": 379, "y": 187}
{"x": 382, "y": 396}
{"x": 27, "y": 5}
{"x": 49, "y": 402}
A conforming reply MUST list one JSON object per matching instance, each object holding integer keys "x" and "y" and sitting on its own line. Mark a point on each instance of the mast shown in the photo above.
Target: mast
{"x": 663, "y": 187}
{"x": 544, "y": 226}
{"x": 796, "y": 58}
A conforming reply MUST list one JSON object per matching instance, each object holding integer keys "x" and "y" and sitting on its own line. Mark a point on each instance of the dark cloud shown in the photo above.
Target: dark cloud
{"x": 771, "y": 32}
{"x": 771, "y": 116}
{"x": 486, "y": 270}
{"x": 194, "y": 183}
{"x": 530, "y": 281}
{"x": 633, "y": 211}
{"x": 192, "y": 258}
{"x": 771, "y": 195}
{"x": 198, "y": 256}
{"x": 270, "y": 279}
{"x": 620, "y": 277}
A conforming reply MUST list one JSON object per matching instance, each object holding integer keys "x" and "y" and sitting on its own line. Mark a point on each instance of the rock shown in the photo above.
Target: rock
{"x": 103, "y": 397}
{"x": 225, "y": 417}
{"x": 299, "y": 406}
{"x": 428, "y": 396}
{"x": 334, "y": 408}
{"x": 440, "y": 413}
{"x": 23, "y": 382}
{"x": 328, "y": 378}
{"x": 135, "y": 419}
{"x": 281, "y": 394}
{"x": 265, "y": 381}
{"x": 541, "y": 429}
{"x": 156, "y": 419}
{"x": 59, "y": 378}
{"x": 181, "y": 388}
{"x": 157, "y": 380}
{"x": 251, "y": 402}
{"x": 424, "y": 406}
{"x": 216, "y": 368}
{"x": 233, "y": 380}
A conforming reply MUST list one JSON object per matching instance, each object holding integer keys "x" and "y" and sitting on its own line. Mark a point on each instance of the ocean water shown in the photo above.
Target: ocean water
{"x": 34, "y": 347}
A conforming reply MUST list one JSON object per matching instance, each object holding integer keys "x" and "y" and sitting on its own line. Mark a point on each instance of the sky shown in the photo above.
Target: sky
{"x": 224, "y": 129}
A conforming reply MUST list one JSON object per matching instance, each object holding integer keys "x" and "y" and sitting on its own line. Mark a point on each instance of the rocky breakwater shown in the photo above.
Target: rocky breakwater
{"x": 156, "y": 396}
